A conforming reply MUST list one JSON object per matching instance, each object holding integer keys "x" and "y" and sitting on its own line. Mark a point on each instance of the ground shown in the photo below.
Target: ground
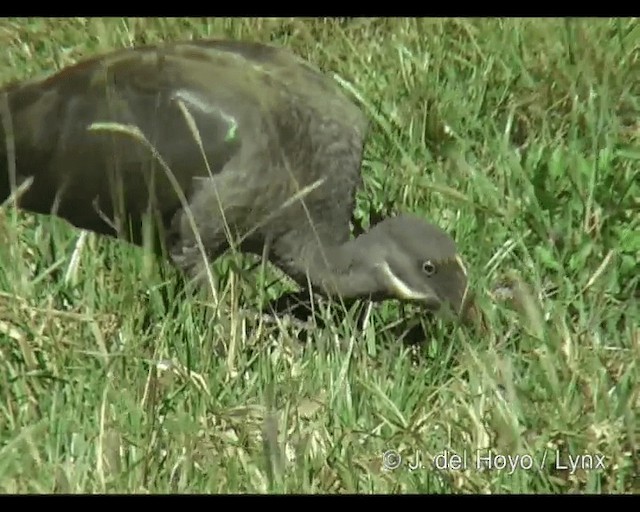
{"x": 519, "y": 137}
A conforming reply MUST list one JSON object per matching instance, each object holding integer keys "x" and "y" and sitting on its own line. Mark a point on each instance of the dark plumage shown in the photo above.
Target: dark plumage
{"x": 280, "y": 156}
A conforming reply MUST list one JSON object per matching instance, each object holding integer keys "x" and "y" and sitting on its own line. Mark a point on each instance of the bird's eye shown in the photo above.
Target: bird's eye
{"x": 429, "y": 268}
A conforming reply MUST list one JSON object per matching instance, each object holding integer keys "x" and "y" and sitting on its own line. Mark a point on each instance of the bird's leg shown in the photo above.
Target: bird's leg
{"x": 199, "y": 231}
{"x": 293, "y": 306}
{"x": 218, "y": 216}
{"x": 263, "y": 269}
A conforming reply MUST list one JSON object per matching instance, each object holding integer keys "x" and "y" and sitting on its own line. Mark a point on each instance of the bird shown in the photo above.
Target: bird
{"x": 218, "y": 144}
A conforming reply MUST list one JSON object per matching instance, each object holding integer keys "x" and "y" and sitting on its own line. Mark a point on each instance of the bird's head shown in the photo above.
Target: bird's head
{"x": 418, "y": 261}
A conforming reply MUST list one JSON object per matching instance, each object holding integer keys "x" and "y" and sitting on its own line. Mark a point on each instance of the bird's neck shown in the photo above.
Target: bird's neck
{"x": 334, "y": 270}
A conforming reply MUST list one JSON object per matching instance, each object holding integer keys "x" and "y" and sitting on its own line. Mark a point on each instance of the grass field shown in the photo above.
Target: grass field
{"x": 520, "y": 137}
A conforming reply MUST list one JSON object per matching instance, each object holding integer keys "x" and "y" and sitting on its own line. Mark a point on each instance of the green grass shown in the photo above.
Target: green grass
{"x": 520, "y": 137}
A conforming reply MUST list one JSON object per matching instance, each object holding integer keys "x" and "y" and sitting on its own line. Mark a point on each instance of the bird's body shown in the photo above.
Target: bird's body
{"x": 229, "y": 138}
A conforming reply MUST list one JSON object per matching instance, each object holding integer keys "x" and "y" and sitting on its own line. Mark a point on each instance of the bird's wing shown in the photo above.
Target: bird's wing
{"x": 228, "y": 89}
